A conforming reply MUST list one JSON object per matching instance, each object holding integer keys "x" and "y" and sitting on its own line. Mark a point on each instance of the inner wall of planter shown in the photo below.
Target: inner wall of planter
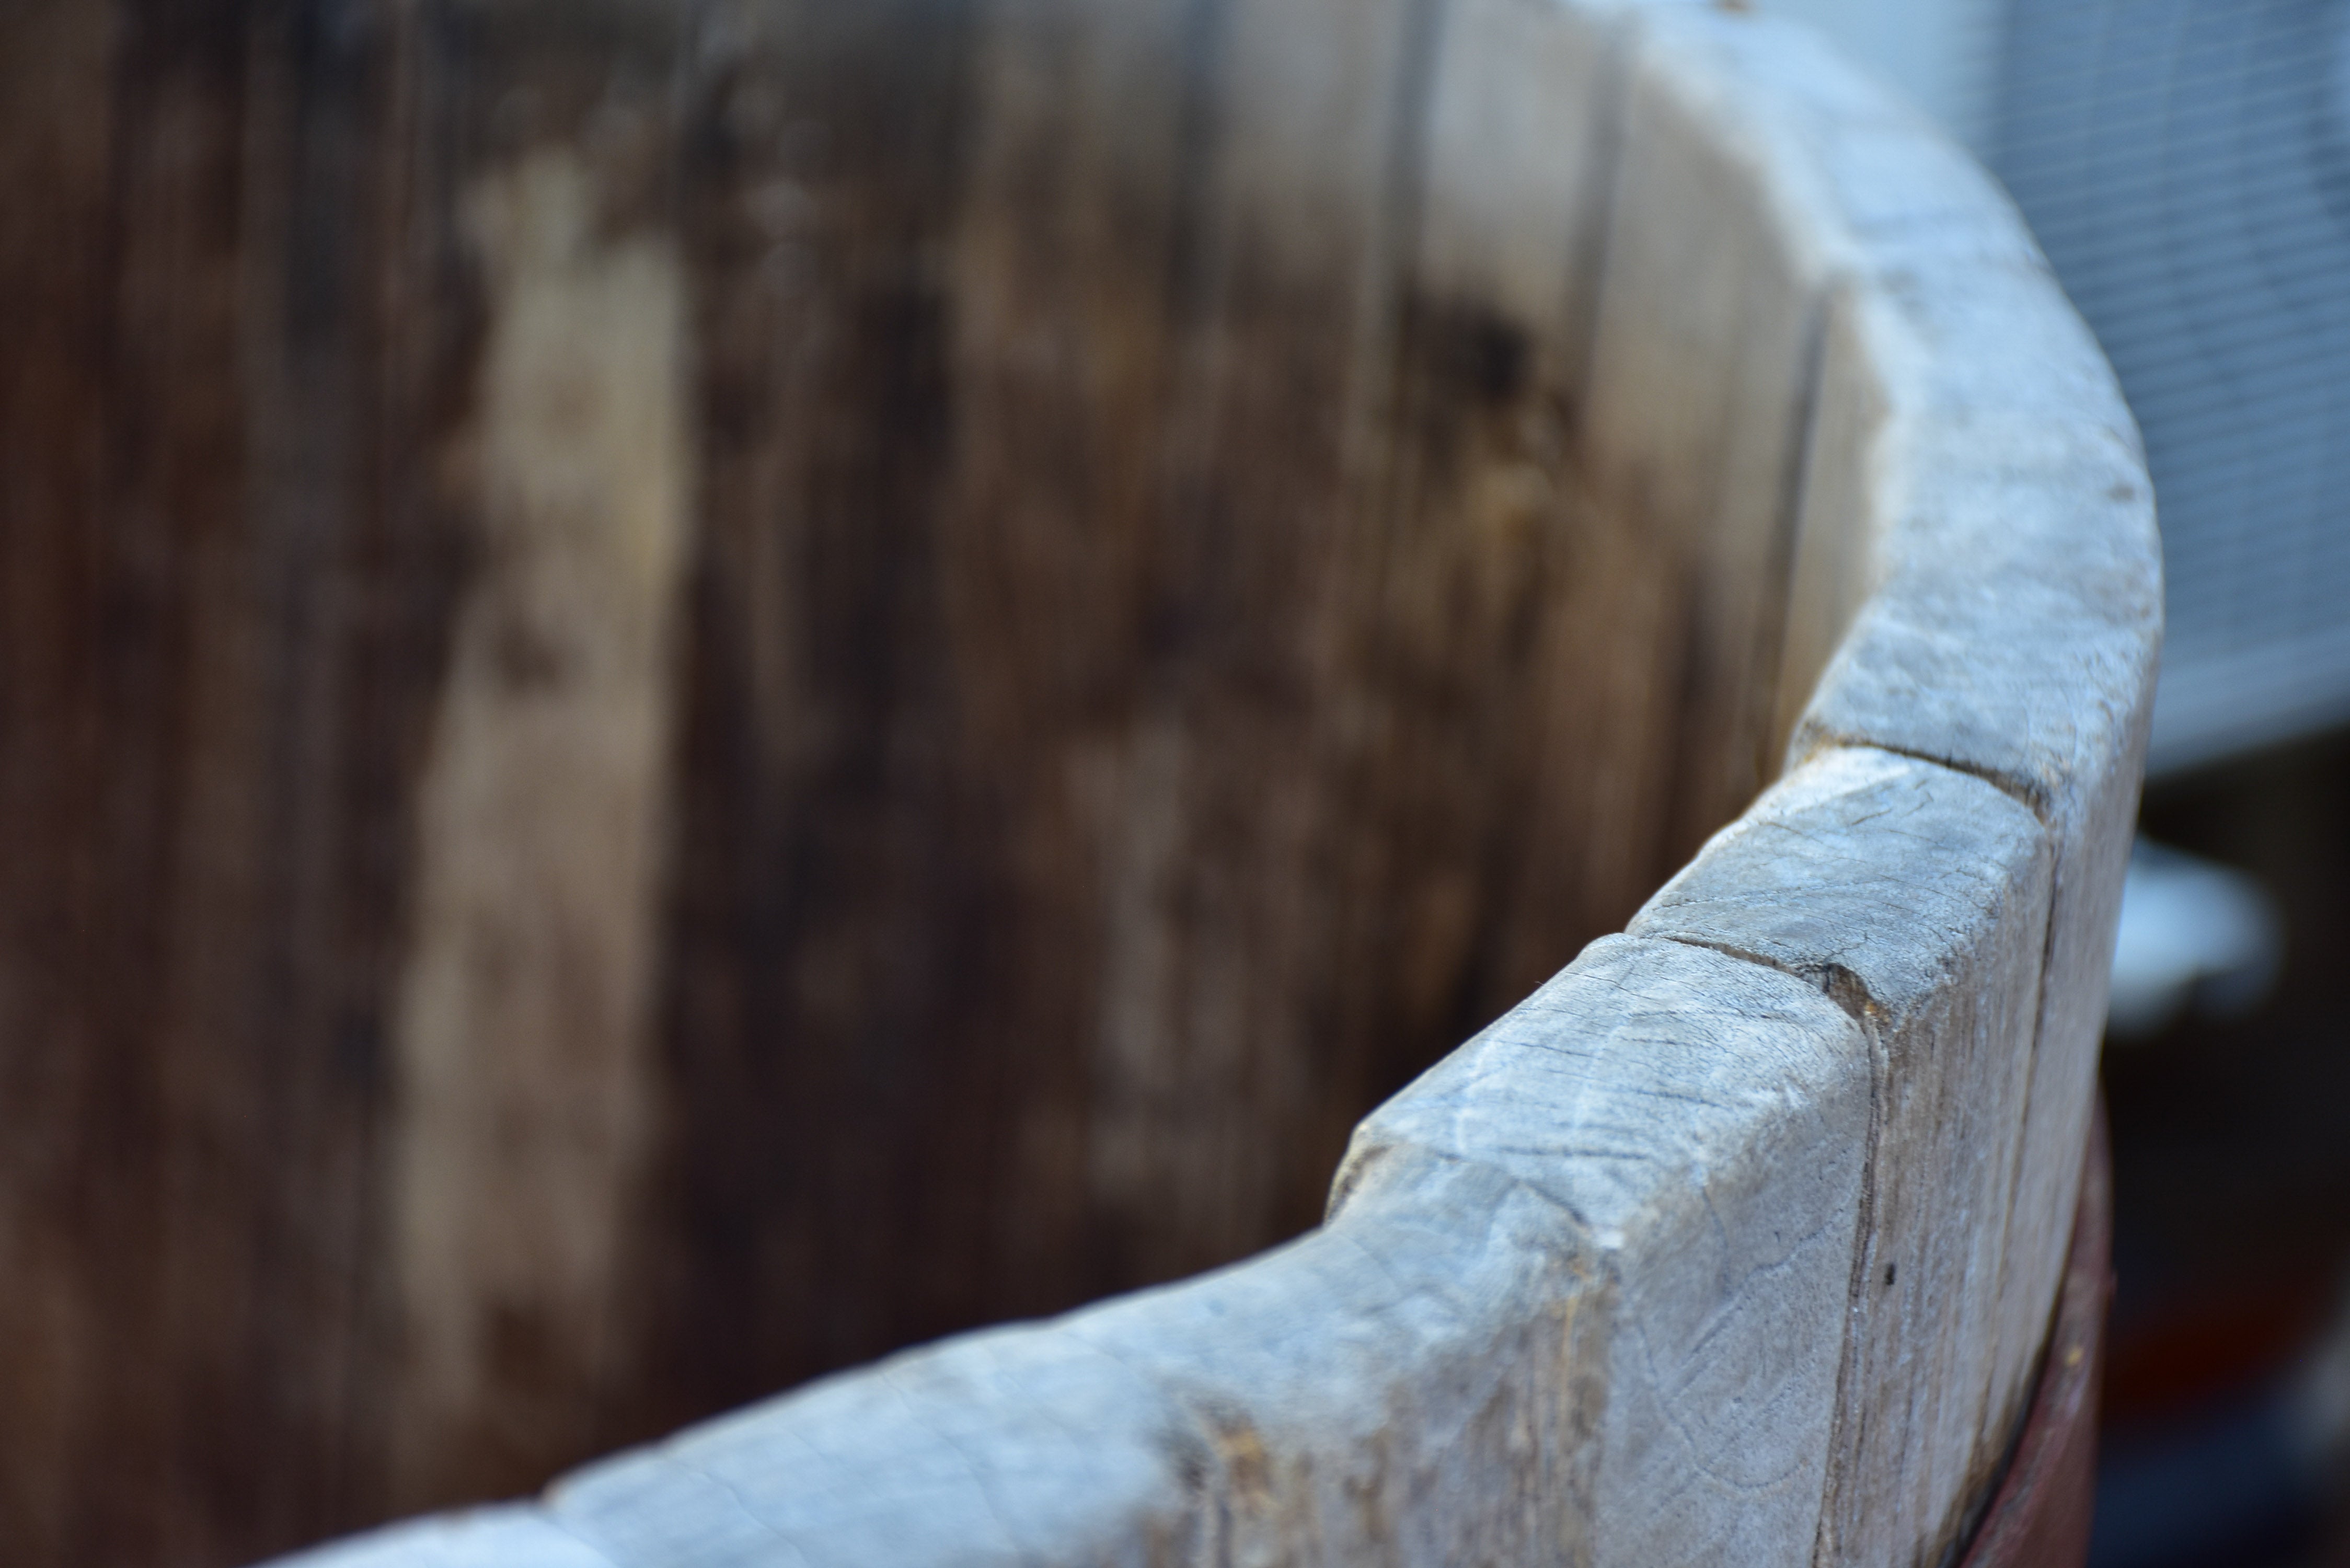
{"x": 774, "y": 678}
{"x": 1198, "y": 585}
{"x": 1164, "y": 664}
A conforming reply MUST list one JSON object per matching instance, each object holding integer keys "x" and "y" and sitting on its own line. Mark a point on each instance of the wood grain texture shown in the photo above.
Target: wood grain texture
{"x": 1918, "y": 897}
{"x": 1703, "y": 1121}
{"x": 1073, "y": 705}
{"x": 1974, "y": 474}
{"x": 1698, "y": 403}
{"x": 1132, "y": 615}
{"x": 2087, "y": 622}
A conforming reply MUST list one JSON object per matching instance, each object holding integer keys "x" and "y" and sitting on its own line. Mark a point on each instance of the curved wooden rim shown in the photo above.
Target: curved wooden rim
{"x": 1678, "y": 1261}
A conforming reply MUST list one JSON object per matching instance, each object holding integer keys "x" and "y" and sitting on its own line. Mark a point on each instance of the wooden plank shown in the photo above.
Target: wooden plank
{"x": 2045, "y": 1506}
{"x": 1623, "y": 1214}
{"x": 1976, "y": 475}
{"x": 1218, "y": 476}
{"x": 1918, "y": 897}
{"x": 2086, "y": 627}
{"x": 1215, "y": 783}
{"x": 249, "y": 604}
{"x": 1473, "y": 654}
{"x": 1698, "y": 403}
{"x": 1514, "y": 178}
{"x": 1041, "y": 424}
{"x": 1705, "y": 1121}
{"x": 2006, "y": 459}
{"x": 61, "y": 688}
{"x": 222, "y": 727}
{"x": 823, "y": 927}
{"x": 1080, "y": 219}
{"x": 1834, "y": 565}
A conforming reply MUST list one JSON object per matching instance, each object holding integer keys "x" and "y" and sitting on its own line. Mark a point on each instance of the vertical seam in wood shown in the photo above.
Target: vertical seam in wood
{"x": 1598, "y": 220}
{"x": 1847, "y": 991}
{"x": 1379, "y": 335}
{"x": 1971, "y": 1518}
{"x": 1841, "y": 1444}
{"x": 1960, "y": 1526}
{"x": 1378, "y": 476}
{"x": 1770, "y": 652}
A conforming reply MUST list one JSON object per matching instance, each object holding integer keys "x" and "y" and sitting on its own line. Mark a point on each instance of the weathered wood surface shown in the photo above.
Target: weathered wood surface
{"x": 1850, "y": 847}
{"x": 754, "y": 681}
{"x": 1601, "y": 1253}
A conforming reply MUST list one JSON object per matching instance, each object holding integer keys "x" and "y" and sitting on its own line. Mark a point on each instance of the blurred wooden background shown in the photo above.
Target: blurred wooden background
{"x": 688, "y": 690}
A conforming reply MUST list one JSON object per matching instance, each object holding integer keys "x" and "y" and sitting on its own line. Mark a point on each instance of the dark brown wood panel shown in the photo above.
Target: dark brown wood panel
{"x": 225, "y": 591}
{"x": 830, "y": 929}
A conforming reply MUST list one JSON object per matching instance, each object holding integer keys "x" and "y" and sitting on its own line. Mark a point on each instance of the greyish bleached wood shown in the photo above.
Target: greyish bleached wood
{"x": 1736, "y": 1241}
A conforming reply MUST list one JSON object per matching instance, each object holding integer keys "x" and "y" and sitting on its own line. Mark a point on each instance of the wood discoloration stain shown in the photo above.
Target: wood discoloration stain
{"x": 522, "y": 1046}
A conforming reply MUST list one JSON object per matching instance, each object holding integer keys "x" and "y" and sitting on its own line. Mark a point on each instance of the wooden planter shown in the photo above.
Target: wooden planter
{"x": 694, "y": 692}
